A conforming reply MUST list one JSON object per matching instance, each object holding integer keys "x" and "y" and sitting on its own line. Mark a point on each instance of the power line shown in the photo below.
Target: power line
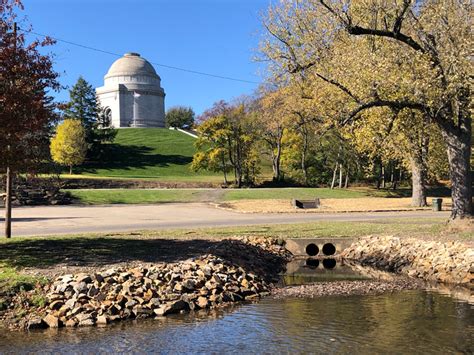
{"x": 154, "y": 63}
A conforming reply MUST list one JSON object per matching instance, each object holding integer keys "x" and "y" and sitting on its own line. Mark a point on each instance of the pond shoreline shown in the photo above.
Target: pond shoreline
{"x": 234, "y": 270}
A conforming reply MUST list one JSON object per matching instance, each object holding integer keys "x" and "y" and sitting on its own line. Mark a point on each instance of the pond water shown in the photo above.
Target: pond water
{"x": 405, "y": 322}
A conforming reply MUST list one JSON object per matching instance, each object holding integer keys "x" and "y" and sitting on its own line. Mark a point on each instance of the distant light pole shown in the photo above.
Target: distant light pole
{"x": 136, "y": 95}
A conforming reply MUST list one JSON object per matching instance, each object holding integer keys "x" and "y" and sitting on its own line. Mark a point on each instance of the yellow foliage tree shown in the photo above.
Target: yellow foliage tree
{"x": 398, "y": 55}
{"x": 68, "y": 146}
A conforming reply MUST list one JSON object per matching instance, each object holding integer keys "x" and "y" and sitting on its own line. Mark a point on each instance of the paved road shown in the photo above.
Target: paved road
{"x": 48, "y": 220}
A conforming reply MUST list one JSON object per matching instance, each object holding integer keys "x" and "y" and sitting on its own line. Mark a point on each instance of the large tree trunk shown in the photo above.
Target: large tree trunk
{"x": 303, "y": 155}
{"x": 225, "y": 169}
{"x": 334, "y": 174}
{"x": 340, "y": 176}
{"x": 419, "y": 167}
{"x": 459, "y": 153}
{"x": 382, "y": 175}
{"x": 303, "y": 167}
{"x": 8, "y": 204}
{"x": 418, "y": 177}
{"x": 379, "y": 176}
{"x": 276, "y": 159}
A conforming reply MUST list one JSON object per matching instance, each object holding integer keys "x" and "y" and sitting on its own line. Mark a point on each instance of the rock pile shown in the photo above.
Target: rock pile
{"x": 208, "y": 281}
{"x": 451, "y": 262}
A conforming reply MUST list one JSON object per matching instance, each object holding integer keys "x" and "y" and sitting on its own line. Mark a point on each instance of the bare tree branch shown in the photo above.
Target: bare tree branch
{"x": 395, "y": 33}
{"x": 340, "y": 86}
{"x": 398, "y": 21}
{"x": 358, "y": 31}
{"x": 397, "y": 105}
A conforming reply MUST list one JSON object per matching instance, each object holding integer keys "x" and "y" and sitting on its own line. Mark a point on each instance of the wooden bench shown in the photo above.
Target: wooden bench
{"x": 305, "y": 204}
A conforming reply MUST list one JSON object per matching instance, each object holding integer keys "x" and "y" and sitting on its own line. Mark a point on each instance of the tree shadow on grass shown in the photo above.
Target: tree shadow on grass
{"x": 123, "y": 157}
{"x": 438, "y": 191}
{"x": 106, "y": 251}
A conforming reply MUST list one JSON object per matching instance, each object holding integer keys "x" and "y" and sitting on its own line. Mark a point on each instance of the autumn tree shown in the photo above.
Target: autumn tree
{"x": 27, "y": 110}
{"x": 69, "y": 146}
{"x": 228, "y": 140}
{"x": 274, "y": 115}
{"x": 400, "y": 55}
{"x": 212, "y": 146}
{"x": 180, "y": 117}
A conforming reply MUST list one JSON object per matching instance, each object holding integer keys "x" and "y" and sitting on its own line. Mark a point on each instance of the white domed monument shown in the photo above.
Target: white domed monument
{"x": 132, "y": 95}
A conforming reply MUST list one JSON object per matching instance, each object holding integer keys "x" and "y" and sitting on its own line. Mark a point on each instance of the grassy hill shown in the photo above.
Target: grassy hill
{"x": 148, "y": 153}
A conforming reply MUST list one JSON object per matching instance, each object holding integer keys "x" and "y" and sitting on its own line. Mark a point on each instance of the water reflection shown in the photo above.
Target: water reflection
{"x": 312, "y": 263}
{"x": 406, "y": 322}
{"x": 329, "y": 263}
{"x": 301, "y": 271}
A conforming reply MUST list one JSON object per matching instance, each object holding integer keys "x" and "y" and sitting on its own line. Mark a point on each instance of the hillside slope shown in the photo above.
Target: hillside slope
{"x": 156, "y": 153}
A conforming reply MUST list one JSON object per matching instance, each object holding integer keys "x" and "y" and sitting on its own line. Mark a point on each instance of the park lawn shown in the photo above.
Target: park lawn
{"x": 145, "y": 153}
{"x": 260, "y": 197}
{"x": 131, "y": 196}
{"x": 135, "y": 196}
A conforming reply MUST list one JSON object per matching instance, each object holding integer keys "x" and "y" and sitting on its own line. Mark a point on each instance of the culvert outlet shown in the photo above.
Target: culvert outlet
{"x": 329, "y": 249}
{"x": 312, "y": 249}
{"x": 298, "y": 246}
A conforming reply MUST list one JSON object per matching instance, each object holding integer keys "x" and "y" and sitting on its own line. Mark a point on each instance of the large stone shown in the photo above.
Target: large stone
{"x": 79, "y": 287}
{"x": 102, "y": 320}
{"x": 56, "y": 305}
{"x": 36, "y": 323}
{"x": 202, "y": 302}
{"x": 171, "y": 307}
{"x": 86, "y": 322}
{"x": 51, "y": 321}
{"x": 71, "y": 323}
{"x": 83, "y": 278}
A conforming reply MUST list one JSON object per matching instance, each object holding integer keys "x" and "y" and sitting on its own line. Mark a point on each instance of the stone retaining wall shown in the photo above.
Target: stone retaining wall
{"x": 35, "y": 191}
{"x": 451, "y": 262}
{"x": 77, "y": 183}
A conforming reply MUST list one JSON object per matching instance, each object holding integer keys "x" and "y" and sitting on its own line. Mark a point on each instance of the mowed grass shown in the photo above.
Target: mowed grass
{"x": 137, "y": 196}
{"x": 156, "y": 153}
{"x": 131, "y": 196}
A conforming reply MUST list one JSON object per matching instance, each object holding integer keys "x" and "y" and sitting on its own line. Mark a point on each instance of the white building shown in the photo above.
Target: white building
{"x": 132, "y": 94}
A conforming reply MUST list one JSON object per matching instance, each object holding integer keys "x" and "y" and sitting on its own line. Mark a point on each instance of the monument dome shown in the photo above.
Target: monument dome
{"x": 132, "y": 95}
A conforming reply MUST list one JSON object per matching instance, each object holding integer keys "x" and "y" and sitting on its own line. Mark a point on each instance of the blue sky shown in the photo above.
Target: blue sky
{"x": 216, "y": 36}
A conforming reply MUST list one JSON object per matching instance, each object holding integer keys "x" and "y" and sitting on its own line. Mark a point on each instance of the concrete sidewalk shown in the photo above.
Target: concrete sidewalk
{"x": 48, "y": 220}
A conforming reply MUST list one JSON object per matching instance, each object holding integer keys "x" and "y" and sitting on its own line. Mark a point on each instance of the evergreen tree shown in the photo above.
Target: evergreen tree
{"x": 83, "y": 106}
{"x": 102, "y": 132}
